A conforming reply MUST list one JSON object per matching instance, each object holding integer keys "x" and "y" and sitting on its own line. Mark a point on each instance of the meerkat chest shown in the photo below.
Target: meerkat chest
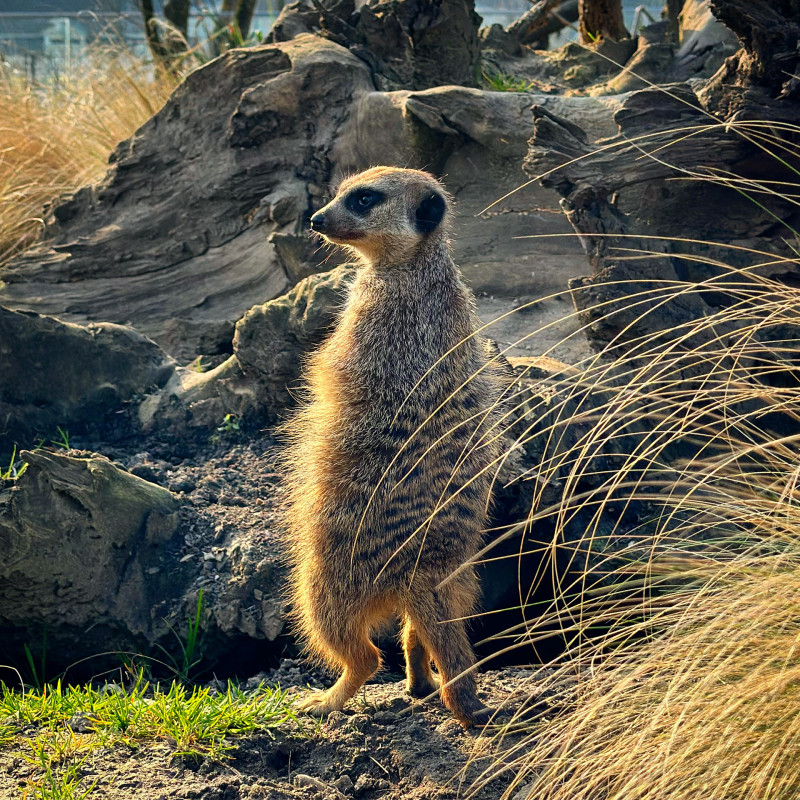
{"x": 398, "y": 346}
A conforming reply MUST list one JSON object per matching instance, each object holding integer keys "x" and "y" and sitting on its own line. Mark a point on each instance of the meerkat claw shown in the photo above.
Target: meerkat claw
{"x": 480, "y": 717}
{"x": 423, "y": 689}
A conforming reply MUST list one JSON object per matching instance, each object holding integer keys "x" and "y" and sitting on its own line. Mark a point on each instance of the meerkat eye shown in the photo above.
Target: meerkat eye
{"x": 360, "y": 201}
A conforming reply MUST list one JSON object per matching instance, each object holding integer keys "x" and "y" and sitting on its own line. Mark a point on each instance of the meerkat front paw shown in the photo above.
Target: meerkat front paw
{"x": 319, "y": 704}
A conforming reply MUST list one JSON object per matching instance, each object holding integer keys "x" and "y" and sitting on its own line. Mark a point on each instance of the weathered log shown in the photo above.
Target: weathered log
{"x": 532, "y": 19}
{"x": 175, "y": 239}
{"x": 235, "y": 163}
{"x": 671, "y": 13}
{"x": 761, "y": 81}
{"x": 622, "y": 198}
{"x": 601, "y": 19}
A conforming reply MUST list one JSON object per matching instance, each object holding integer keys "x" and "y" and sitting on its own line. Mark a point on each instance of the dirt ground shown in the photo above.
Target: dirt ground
{"x": 384, "y": 746}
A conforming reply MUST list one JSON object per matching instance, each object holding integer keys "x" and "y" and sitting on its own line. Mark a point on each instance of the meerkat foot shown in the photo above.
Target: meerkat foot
{"x": 319, "y": 704}
{"x": 423, "y": 687}
{"x": 479, "y": 717}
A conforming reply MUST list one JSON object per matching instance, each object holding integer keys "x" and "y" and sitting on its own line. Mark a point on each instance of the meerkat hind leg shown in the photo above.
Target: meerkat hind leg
{"x": 420, "y": 680}
{"x": 361, "y": 659}
{"x": 439, "y": 628}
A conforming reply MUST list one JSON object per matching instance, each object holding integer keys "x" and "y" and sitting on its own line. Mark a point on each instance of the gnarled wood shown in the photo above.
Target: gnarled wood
{"x": 601, "y": 19}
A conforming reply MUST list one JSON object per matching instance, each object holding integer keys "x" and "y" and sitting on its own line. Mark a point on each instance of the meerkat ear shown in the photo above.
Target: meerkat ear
{"x": 430, "y": 212}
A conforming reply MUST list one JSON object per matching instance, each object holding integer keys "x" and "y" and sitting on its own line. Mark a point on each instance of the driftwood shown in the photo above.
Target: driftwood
{"x": 540, "y": 20}
{"x": 176, "y": 239}
{"x": 762, "y": 80}
{"x": 601, "y": 19}
{"x": 80, "y": 378}
{"x": 639, "y": 191}
{"x": 86, "y": 557}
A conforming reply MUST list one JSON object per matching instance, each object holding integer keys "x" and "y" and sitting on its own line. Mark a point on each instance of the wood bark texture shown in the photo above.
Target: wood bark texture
{"x": 601, "y": 19}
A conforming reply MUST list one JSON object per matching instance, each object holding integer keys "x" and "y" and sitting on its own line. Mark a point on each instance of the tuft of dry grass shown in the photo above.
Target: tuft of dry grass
{"x": 57, "y": 137}
{"x": 691, "y": 691}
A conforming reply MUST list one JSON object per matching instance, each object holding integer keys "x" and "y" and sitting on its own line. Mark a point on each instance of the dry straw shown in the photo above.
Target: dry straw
{"x": 57, "y": 136}
{"x": 681, "y": 678}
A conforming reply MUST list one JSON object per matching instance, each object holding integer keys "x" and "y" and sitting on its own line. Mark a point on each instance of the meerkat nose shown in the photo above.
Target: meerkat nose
{"x": 318, "y": 222}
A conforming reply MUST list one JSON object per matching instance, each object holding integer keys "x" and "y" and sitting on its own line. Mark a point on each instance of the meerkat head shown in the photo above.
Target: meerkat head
{"x": 386, "y": 214}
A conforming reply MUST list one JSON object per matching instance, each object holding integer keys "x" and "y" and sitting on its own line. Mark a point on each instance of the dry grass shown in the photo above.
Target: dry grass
{"x": 691, "y": 692}
{"x": 57, "y": 137}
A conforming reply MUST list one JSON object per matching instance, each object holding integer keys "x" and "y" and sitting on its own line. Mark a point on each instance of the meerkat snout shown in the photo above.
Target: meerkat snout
{"x": 384, "y": 211}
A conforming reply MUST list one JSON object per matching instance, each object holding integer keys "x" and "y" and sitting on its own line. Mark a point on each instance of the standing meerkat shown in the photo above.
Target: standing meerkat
{"x": 390, "y": 462}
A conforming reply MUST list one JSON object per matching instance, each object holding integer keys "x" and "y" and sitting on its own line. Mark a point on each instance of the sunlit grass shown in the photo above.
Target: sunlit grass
{"x": 58, "y": 727}
{"x": 198, "y": 721}
{"x": 56, "y": 137}
{"x": 681, "y": 675}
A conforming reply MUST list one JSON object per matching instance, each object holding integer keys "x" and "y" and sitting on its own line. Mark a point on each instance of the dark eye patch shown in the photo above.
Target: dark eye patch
{"x": 360, "y": 201}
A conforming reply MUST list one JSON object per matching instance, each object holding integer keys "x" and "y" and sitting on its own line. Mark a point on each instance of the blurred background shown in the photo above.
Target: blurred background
{"x": 48, "y": 38}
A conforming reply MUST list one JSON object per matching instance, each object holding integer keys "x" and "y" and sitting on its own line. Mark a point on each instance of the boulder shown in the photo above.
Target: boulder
{"x": 256, "y": 385}
{"x": 273, "y": 339}
{"x": 77, "y": 377}
{"x": 87, "y": 557}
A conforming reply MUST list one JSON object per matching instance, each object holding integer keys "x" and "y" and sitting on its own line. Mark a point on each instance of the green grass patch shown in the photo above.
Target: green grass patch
{"x": 501, "y": 82}
{"x": 71, "y": 722}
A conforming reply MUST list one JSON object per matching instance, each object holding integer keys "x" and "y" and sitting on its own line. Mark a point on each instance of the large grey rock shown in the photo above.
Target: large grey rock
{"x": 272, "y": 339}
{"x": 55, "y": 373}
{"x": 257, "y": 383}
{"x": 86, "y": 556}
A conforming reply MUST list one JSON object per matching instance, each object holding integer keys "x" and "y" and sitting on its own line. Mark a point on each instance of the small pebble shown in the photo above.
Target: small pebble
{"x": 344, "y": 784}
{"x": 334, "y": 719}
{"x": 81, "y": 723}
{"x": 523, "y": 793}
{"x": 307, "y": 780}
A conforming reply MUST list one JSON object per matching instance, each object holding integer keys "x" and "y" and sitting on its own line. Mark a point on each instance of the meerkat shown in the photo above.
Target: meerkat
{"x": 390, "y": 459}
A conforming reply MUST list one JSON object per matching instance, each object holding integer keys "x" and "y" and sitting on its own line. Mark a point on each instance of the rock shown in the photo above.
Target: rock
{"x": 256, "y": 384}
{"x": 60, "y": 374}
{"x": 82, "y": 722}
{"x": 524, "y": 792}
{"x": 344, "y": 785}
{"x": 272, "y": 339}
{"x": 308, "y": 780}
{"x": 80, "y": 539}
